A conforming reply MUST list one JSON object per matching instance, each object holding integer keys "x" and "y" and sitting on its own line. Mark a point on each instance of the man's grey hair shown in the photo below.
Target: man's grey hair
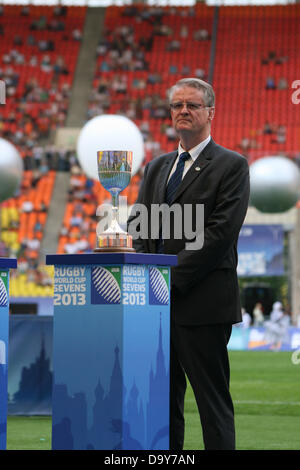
{"x": 208, "y": 92}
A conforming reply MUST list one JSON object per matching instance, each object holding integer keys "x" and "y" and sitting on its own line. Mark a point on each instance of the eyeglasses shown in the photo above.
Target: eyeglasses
{"x": 190, "y": 106}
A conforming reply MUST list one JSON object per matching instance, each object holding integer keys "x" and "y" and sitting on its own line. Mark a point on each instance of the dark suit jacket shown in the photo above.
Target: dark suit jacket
{"x": 204, "y": 283}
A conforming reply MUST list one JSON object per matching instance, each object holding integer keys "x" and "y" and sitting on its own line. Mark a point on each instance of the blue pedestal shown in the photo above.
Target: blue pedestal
{"x": 111, "y": 351}
{"x": 5, "y": 265}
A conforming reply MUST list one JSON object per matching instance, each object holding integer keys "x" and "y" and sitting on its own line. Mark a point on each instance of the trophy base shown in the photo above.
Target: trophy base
{"x": 114, "y": 243}
{"x": 116, "y": 249}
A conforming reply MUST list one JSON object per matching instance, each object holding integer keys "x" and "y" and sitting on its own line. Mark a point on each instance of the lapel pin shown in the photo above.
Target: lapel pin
{"x": 197, "y": 168}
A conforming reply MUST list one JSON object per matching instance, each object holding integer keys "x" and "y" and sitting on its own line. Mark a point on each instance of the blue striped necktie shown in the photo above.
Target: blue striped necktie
{"x": 176, "y": 178}
{"x": 172, "y": 187}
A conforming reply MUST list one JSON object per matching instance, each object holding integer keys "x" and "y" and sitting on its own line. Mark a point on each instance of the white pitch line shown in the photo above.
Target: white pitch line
{"x": 258, "y": 402}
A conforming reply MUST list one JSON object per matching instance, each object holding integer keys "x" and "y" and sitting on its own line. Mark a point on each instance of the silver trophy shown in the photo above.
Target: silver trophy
{"x": 114, "y": 170}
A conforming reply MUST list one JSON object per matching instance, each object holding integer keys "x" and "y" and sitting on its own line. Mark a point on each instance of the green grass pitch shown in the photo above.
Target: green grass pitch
{"x": 265, "y": 387}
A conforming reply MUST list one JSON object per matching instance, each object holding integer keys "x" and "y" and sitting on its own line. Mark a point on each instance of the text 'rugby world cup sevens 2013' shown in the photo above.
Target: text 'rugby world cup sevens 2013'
{"x": 175, "y": 221}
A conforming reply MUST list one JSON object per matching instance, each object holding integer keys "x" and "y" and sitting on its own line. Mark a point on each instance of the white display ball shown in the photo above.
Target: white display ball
{"x": 108, "y": 132}
{"x": 11, "y": 169}
{"x": 274, "y": 184}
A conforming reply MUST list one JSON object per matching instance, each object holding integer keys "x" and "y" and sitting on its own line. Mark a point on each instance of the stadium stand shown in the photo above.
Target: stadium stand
{"x": 141, "y": 52}
{"x": 253, "y": 77}
{"x": 38, "y": 53}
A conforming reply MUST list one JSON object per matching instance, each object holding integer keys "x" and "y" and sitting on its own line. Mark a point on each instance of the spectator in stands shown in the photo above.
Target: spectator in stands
{"x": 131, "y": 11}
{"x": 46, "y": 63}
{"x": 159, "y": 108}
{"x": 171, "y": 134}
{"x": 46, "y": 45}
{"x": 272, "y": 56}
{"x": 184, "y": 31}
{"x": 25, "y": 10}
{"x": 23, "y": 264}
{"x": 83, "y": 245}
{"x": 76, "y": 219}
{"x": 246, "y": 319}
{"x": 138, "y": 84}
{"x": 6, "y": 58}
{"x": 145, "y": 129}
{"x": 129, "y": 111}
{"x": 270, "y": 83}
{"x": 62, "y": 160}
{"x": 104, "y": 66}
{"x": 39, "y": 24}
{"x": 103, "y": 47}
{"x": 59, "y": 66}
{"x": 70, "y": 248}
{"x": 31, "y": 40}
{"x": 18, "y": 41}
{"x": 201, "y": 35}
{"x": 55, "y": 25}
{"x": 281, "y": 59}
{"x": 33, "y": 244}
{"x": 37, "y": 228}
{"x": 33, "y": 61}
{"x": 77, "y": 34}
{"x": 282, "y": 84}
{"x": 138, "y": 108}
{"x": 280, "y": 135}
{"x": 173, "y": 69}
{"x": 146, "y": 43}
{"x": 11, "y": 79}
{"x": 258, "y": 315}
{"x": 245, "y": 144}
{"x": 44, "y": 168}
{"x": 162, "y": 30}
{"x": 27, "y": 206}
{"x": 152, "y": 146}
{"x": 277, "y": 326}
{"x": 297, "y": 159}
{"x": 185, "y": 71}
{"x": 119, "y": 84}
{"x": 3, "y": 249}
{"x": 60, "y": 10}
{"x": 154, "y": 77}
{"x": 268, "y": 128}
{"x": 37, "y": 153}
{"x": 103, "y": 85}
{"x": 173, "y": 45}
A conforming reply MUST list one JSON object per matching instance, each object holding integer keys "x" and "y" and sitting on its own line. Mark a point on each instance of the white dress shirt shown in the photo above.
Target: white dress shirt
{"x": 194, "y": 152}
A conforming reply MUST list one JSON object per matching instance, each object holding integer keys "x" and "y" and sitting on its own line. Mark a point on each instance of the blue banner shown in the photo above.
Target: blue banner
{"x": 30, "y": 365}
{"x": 111, "y": 357}
{"x": 259, "y": 339}
{"x": 260, "y": 250}
{"x": 30, "y": 370}
{"x": 4, "y": 306}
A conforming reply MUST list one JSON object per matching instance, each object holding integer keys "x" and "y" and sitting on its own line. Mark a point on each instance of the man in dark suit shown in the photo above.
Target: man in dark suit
{"x": 204, "y": 286}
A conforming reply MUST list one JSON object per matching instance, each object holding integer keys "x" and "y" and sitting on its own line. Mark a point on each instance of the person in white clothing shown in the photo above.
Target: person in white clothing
{"x": 277, "y": 327}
